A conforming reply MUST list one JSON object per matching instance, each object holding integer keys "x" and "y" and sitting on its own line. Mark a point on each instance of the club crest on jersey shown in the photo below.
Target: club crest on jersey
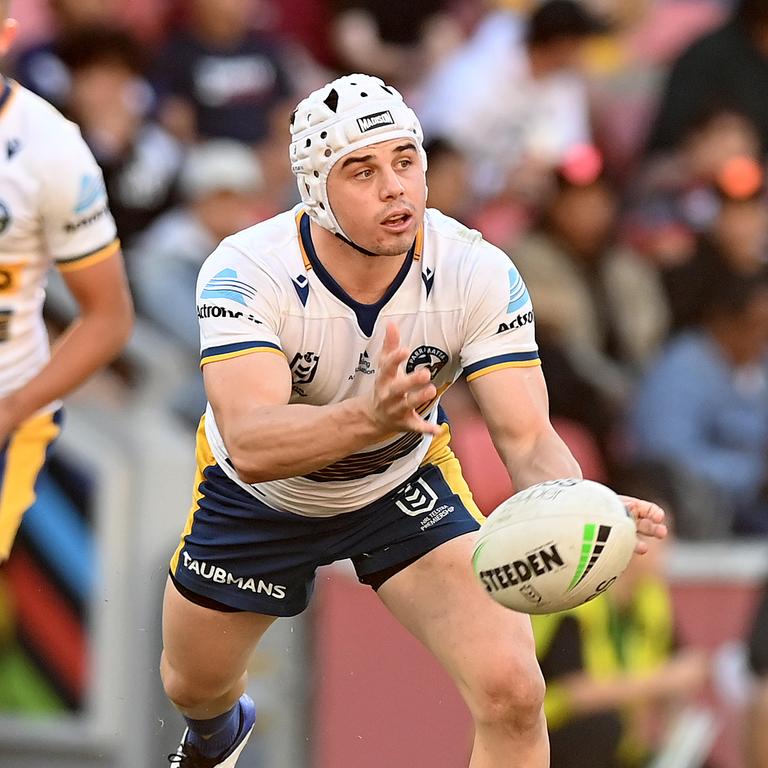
{"x": 426, "y": 356}
{"x": 304, "y": 367}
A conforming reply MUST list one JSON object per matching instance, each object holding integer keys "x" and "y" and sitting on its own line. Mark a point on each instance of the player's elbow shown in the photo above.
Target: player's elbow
{"x": 250, "y": 469}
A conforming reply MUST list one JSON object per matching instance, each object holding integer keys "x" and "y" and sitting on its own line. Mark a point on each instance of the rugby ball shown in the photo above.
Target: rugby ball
{"x": 554, "y": 546}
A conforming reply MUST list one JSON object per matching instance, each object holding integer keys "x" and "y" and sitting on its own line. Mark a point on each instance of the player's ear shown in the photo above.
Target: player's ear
{"x": 8, "y": 33}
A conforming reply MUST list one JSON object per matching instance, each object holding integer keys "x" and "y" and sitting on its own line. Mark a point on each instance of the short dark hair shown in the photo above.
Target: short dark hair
{"x": 731, "y": 294}
{"x": 556, "y": 20}
{"x": 438, "y": 147}
{"x": 97, "y": 45}
{"x": 752, "y": 12}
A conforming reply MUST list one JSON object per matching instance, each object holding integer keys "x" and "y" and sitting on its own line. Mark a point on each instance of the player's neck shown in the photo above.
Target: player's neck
{"x": 364, "y": 278}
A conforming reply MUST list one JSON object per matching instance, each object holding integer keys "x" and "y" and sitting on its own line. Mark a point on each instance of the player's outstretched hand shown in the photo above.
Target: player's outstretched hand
{"x": 398, "y": 395}
{"x": 649, "y": 519}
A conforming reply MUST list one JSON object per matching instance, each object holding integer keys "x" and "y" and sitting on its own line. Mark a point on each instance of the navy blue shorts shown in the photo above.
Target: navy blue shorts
{"x": 237, "y": 553}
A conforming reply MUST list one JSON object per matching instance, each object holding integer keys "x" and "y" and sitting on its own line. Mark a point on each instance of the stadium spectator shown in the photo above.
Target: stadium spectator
{"x": 612, "y": 668}
{"x": 399, "y": 40}
{"x": 219, "y": 184}
{"x": 40, "y": 66}
{"x": 673, "y": 198}
{"x": 735, "y": 243}
{"x": 447, "y": 178}
{"x": 512, "y": 96}
{"x": 111, "y": 101}
{"x": 704, "y": 404}
{"x": 597, "y": 300}
{"x": 217, "y": 77}
{"x": 728, "y": 67}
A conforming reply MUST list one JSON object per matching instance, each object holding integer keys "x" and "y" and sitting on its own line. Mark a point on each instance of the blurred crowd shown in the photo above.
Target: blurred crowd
{"x": 615, "y": 149}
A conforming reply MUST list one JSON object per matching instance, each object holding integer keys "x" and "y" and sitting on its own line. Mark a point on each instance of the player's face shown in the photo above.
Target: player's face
{"x": 378, "y": 195}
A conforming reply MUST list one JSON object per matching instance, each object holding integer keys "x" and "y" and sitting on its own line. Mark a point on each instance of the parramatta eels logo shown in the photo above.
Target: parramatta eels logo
{"x": 427, "y": 357}
{"x": 592, "y": 546}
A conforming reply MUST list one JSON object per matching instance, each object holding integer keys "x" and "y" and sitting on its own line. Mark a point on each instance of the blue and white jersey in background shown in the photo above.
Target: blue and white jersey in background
{"x": 53, "y": 211}
{"x": 459, "y": 304}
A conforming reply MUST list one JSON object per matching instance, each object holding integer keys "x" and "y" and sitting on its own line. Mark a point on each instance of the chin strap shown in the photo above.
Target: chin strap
{"x": 355, "y": 245}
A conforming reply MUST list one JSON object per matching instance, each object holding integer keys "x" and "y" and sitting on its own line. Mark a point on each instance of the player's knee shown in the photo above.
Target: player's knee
{"x": 510, "y": 695}
{"x": 191, "y": 689}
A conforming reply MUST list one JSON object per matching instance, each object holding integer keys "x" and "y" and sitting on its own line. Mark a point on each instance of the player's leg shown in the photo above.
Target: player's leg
{"x": 21, "y": 460}
{"x": 203, "y": 669}
{"x": 205, "y": 654}
{"x": 486, "y": 649}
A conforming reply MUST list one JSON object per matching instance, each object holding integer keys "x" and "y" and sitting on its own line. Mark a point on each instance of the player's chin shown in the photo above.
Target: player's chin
{"x": 395, "y": 243}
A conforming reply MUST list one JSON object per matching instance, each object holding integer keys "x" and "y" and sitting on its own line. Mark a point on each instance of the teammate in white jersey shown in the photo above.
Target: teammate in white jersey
{"x": 328, "y": 335}
{"x": 53, "y": 211}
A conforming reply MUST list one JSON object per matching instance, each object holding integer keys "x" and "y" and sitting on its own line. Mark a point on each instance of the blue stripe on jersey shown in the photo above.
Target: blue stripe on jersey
{"x": 228, "y": 349}
{"x": 366, "y": 314}
{"x": 512, "y": 357}
{"x": 518, "y": 293}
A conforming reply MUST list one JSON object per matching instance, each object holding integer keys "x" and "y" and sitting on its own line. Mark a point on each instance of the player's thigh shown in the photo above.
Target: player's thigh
{"x": 483, "y": 646}
{"x": 21, "y": 461}
{"x": 210, "y": 648}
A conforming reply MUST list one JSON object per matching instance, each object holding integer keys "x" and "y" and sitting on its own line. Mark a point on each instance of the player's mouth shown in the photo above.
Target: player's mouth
{"x": 398, "y": 221}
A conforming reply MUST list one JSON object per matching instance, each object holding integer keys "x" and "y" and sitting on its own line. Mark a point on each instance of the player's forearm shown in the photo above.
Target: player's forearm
{"x": 88, "y": 344}
{"x": 542, "y": 457}
{"x": 277, "y": 441}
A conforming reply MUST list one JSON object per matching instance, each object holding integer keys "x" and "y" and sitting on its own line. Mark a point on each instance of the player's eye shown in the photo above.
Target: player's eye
{"x": 366, "y": 173}
{"x": 405, "y": 162}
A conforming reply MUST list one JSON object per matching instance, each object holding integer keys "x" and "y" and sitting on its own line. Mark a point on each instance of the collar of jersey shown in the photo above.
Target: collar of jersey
{"x": 366, "y": 314}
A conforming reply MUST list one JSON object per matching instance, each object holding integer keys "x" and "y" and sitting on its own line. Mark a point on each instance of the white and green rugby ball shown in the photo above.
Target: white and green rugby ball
{"x": 554, "y": 546}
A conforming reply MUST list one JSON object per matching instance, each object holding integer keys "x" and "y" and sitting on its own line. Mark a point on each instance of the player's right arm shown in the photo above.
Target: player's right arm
{"x": 267, "y": 438}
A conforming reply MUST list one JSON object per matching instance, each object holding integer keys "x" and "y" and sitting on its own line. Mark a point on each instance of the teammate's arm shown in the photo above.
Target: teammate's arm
{"x": 94, "y": 338}
{"x": 267, "y": 438}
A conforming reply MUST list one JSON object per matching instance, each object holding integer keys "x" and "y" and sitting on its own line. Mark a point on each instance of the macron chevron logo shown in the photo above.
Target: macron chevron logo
{"x": 428, "y": 278}
{"x": 91, "y": 191}
{"x": 226, "y": 285}
{"x": 518, "y": 293}
{"x": 301, "y": 284}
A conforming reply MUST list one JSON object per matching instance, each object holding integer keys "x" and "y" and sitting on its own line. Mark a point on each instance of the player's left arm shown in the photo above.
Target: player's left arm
{"x": 93, "y": 339}
{"x": 515, "y": 407}
{"x": 501, "y": 363}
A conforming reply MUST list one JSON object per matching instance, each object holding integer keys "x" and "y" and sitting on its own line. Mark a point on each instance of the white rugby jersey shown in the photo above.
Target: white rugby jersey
{"x": 53, "y": 210}
{"x": 459, "y": 304}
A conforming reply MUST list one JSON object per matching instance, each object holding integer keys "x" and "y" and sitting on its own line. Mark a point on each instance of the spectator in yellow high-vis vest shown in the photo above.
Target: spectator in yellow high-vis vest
{"x": 611, "y": 667}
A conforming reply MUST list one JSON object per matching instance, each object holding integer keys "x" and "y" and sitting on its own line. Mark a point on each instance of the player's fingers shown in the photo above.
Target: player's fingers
{"x": 416, "y": 424}
{"x": 643, "y": 510}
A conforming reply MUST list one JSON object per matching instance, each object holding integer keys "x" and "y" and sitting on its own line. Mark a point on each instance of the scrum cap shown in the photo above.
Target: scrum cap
{"x": 342, "y": 117}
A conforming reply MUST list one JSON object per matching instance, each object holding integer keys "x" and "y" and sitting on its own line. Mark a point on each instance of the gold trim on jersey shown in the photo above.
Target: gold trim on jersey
{"x": 239, "y": 353}
{"x": 443, "y": 458}
{"x": 24, "y": 458}
{"x": 15, "y": 87}
{"x": 88, "y": 259}
{"x": 500, "y": 366}
{"x": 204, "y": 458}
{"x": 299, "y": 216}
{"x": 418, "y": 244}
{"x": 10, "y": 278}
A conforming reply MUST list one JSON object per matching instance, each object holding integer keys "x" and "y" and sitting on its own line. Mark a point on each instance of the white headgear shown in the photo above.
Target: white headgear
{"x": 341, "y": 117}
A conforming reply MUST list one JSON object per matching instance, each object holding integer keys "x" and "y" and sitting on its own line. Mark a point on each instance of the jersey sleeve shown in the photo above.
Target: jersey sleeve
{"x": 238, "y": 307}
{"x": 499, "y": 324}
{"x": 78, "y": 226}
